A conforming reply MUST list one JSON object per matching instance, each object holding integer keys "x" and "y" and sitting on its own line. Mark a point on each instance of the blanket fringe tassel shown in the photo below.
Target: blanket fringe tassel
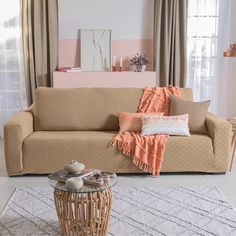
{"x": 126, "y": 150}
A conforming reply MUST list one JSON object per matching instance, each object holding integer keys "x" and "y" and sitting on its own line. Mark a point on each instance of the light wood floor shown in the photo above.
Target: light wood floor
{"x": 226, "y": 183}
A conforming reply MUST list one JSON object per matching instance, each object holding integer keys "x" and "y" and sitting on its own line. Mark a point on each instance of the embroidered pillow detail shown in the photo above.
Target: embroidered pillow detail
{"x": 171, "y": 125}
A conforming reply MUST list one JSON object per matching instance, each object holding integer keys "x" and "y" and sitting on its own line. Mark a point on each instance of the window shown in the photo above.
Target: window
{"x": 203, "y": 20}
{"x": 12, "y": 81}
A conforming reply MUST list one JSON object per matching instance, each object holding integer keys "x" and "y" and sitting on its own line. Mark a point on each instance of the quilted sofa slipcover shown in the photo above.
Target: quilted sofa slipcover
{"x": 77, "y": 124}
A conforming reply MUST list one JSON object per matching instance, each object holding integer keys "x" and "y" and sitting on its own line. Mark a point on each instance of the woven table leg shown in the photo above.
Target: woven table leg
{"x": 83, "y": 214}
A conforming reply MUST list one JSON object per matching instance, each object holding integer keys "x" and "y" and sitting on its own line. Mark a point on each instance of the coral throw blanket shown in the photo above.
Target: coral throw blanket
{"x": 148, "y": 151}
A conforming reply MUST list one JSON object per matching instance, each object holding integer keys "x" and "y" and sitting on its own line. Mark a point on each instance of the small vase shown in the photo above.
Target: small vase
{"x": 138, "y": 68}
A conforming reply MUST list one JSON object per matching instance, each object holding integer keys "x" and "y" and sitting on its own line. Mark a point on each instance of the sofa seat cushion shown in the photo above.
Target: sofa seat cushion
{"x": 48, "y": 151}
{"x": 194, "y": 153}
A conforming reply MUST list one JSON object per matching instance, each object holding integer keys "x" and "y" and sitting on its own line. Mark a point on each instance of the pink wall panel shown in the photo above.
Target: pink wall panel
{"x": 128, "y": 48}
{"x": 69, "y": 51}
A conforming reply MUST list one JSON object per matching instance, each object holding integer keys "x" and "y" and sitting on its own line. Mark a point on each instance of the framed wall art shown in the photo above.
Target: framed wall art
{"x": 95, "y": 50}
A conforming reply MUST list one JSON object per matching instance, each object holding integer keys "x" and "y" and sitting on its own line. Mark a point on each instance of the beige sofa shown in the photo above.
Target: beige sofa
{"x": 77, "y": 124}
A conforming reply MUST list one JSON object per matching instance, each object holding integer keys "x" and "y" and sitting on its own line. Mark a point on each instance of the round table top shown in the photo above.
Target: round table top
{"x": 86, "y": 188}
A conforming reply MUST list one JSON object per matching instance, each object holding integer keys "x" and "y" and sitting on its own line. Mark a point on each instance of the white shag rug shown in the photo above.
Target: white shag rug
{"x": 155, "y": 211}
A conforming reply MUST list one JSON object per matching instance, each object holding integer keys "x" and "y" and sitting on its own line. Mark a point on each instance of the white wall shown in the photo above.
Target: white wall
{"x": 128, "y": 19}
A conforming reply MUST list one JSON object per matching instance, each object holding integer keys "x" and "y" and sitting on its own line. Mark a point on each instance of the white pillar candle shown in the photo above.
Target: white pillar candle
{"x": 114, "y": 60}
{"x": 121, "y": 62}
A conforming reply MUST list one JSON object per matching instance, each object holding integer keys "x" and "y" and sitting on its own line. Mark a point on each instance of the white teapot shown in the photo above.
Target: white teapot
{"x": 74, "y": 167}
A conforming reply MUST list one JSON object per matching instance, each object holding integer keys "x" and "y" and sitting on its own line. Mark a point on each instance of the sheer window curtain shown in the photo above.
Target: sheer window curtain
{"x": 12, "y": 80}
{"x": 208, "y": 36}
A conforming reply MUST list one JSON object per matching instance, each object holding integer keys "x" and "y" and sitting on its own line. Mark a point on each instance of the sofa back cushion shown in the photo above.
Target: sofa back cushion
{"x": 85, "y": 108}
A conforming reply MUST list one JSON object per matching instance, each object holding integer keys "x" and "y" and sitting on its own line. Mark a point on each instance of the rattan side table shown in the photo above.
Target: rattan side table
{"x": 233, "y": 142}
{"x": 83, "y": 212}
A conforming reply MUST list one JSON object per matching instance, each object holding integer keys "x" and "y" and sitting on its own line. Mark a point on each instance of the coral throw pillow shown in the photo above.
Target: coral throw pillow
{"x": 132, "y": 122}
{"x": 171, "y": 125}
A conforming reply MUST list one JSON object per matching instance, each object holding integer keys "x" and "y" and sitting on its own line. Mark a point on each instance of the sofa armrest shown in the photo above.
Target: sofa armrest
{"x": 15, "y": 131}
{"x": 220, "y": 132}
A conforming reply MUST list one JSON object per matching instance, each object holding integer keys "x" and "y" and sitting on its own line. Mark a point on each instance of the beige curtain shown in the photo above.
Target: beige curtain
{"x": 170, "y": 42}
{"x": 40, "y": 43}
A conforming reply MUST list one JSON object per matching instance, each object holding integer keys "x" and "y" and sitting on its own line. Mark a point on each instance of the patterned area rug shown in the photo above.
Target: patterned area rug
{"x": 155, "y": 211}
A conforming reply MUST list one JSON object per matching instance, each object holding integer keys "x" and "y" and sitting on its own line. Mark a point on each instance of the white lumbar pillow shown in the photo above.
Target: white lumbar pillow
{"x": 171, "y": 125}
{"x": 74, "y": 183}
{"x": 74, "y": 167}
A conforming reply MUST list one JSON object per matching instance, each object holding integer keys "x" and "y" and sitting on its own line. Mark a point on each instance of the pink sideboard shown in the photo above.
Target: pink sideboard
{"x": 104, "y": 79}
